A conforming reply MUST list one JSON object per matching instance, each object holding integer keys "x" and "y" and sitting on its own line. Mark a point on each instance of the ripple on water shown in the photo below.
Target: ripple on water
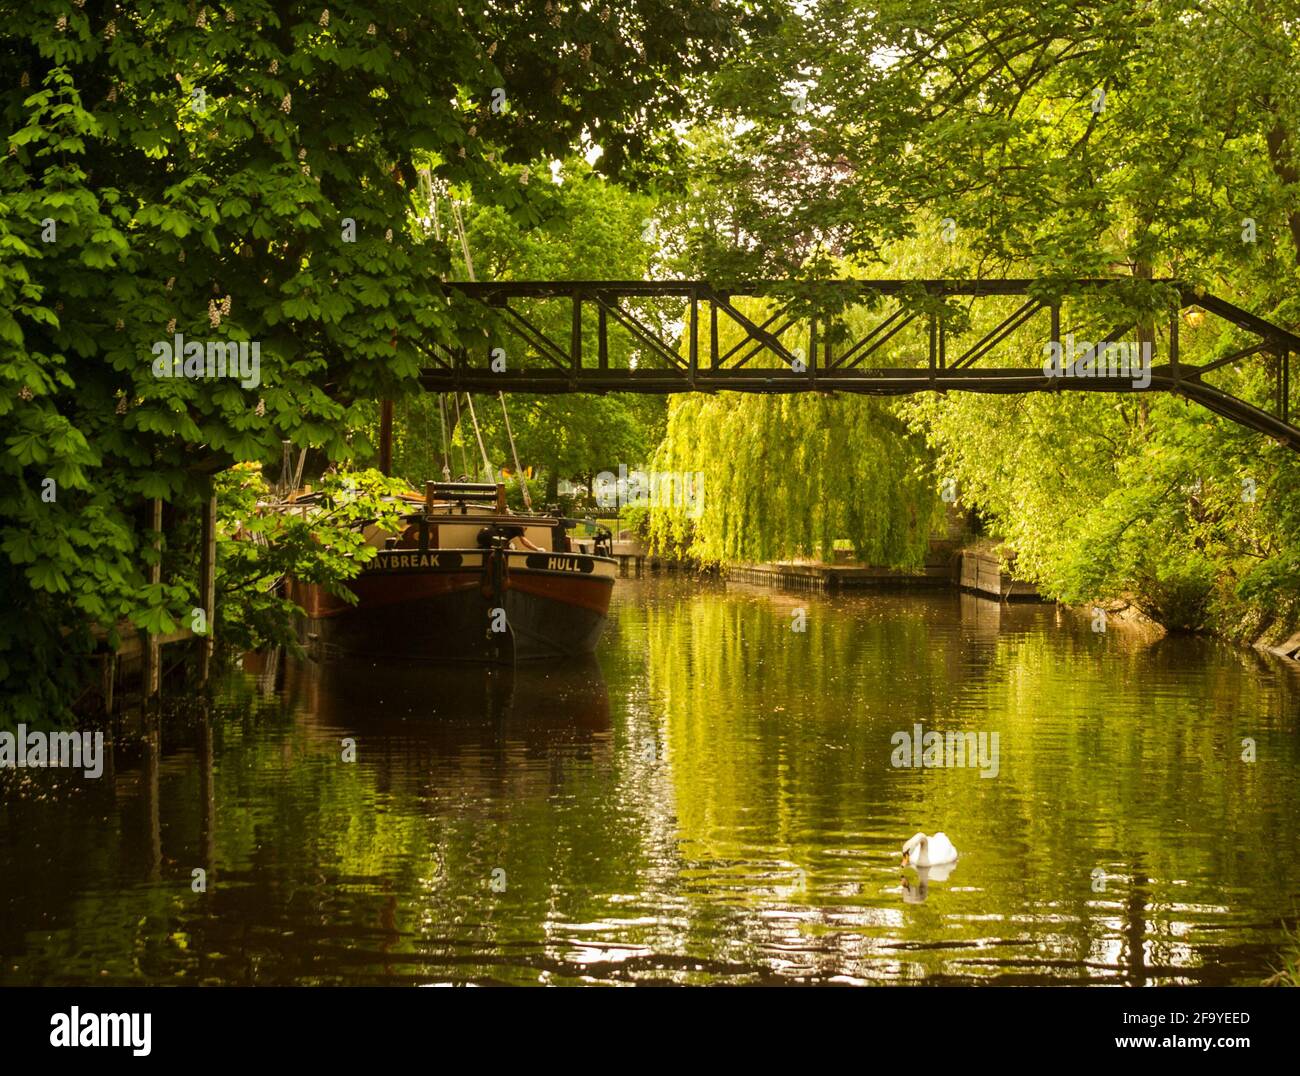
{"x": 714, "y": 801}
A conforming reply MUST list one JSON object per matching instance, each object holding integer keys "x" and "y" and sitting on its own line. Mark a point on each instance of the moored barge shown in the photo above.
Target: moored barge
{"x": 466, "y": 580}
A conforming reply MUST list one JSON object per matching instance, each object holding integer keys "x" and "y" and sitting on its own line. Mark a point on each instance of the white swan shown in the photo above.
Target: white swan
{"x": 923, "y": 851}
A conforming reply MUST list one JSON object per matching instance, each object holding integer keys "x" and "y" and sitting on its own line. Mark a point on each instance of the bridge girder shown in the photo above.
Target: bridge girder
{"x": 684, "y": 353}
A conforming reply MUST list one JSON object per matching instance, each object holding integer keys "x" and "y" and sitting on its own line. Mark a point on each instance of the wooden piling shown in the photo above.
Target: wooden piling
{"x": 152, "y": 678}
{"x": 386, "y": 437}
{"x": 108, "y": 679}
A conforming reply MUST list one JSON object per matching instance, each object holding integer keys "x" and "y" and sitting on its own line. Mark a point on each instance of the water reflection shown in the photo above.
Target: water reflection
{"x": 714, "y": 801}
{"x": 533, "y": 701}
{"x": 915, "y": 886}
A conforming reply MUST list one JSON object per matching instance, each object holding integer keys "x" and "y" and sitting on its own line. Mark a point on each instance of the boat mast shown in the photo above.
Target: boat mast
{"x": 514, "y": 452}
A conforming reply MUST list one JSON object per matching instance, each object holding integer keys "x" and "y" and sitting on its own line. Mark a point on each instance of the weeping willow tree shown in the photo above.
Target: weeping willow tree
{"x": 1053, "y": 148}
{"x": 790, "y": 476}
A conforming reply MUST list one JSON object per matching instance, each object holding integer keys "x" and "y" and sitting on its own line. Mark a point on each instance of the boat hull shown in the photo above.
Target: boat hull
{"x": 463, "y": 605}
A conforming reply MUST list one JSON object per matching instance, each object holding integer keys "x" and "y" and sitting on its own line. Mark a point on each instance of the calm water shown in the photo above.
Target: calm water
{"x": 714, "y": 801}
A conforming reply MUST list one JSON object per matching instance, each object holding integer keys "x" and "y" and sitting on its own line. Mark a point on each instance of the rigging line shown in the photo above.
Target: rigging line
{"x": 464, "y": 242}
{"x": 469, "y": 267}
{"x": 523, "y": 479}
{"x": 446, "y": 453}
{"x": 431, "y": 202}
{"x": 514, "y": 452}
{"x": 487, "y": 464}
{"x": 464, "y": 462}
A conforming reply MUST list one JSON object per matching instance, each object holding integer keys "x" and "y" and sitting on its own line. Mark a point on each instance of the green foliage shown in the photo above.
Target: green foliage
{"x": 1078, "y": 138}
{"x": 515, "y": 491}
{"x": 788, "y": 476}
{"x": 197, "y": 170}
{"x": 635, "y": 519}
{"x": 258, "y": 548}
{"x": 588, "y": 229}
{"x": 993, "y": 116}
{"x": 1149, "y": 498}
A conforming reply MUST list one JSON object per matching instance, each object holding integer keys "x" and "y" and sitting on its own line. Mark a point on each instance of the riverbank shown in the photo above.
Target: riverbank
{"x": 976, "y": 568}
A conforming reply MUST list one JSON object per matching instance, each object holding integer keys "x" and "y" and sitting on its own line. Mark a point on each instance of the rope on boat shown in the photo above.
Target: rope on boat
{"x": 464, "y": 463}
{"x": 487, "y": 464}
{"x": 523, "y": 480}
{"x": 514, "y": 452}
{"x": 469, "y": 268}
{"x": 434, "y": 221}
{"x": 442, "y": 421}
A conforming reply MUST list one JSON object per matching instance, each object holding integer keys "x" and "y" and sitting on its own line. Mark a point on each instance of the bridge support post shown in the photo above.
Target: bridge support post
{"x": 695, "y": 335}
{"x": 1173, "y": 347}
{"x": 575, "y": 340}
{"x": 812, "y": 352}
{"x": 934, "y": 346}
{"x": 602, "y": 335}
{"x": 713, "y": 332}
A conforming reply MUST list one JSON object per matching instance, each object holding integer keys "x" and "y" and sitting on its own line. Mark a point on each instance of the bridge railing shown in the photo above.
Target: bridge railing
{"x": 885, "y": 337}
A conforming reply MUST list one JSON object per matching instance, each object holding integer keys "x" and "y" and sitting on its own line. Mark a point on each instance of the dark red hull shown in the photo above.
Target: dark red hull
{"x": 466, "y": 605}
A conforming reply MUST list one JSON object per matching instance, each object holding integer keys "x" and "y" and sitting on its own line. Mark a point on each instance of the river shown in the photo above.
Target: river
{"x": 719, "y": 798}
